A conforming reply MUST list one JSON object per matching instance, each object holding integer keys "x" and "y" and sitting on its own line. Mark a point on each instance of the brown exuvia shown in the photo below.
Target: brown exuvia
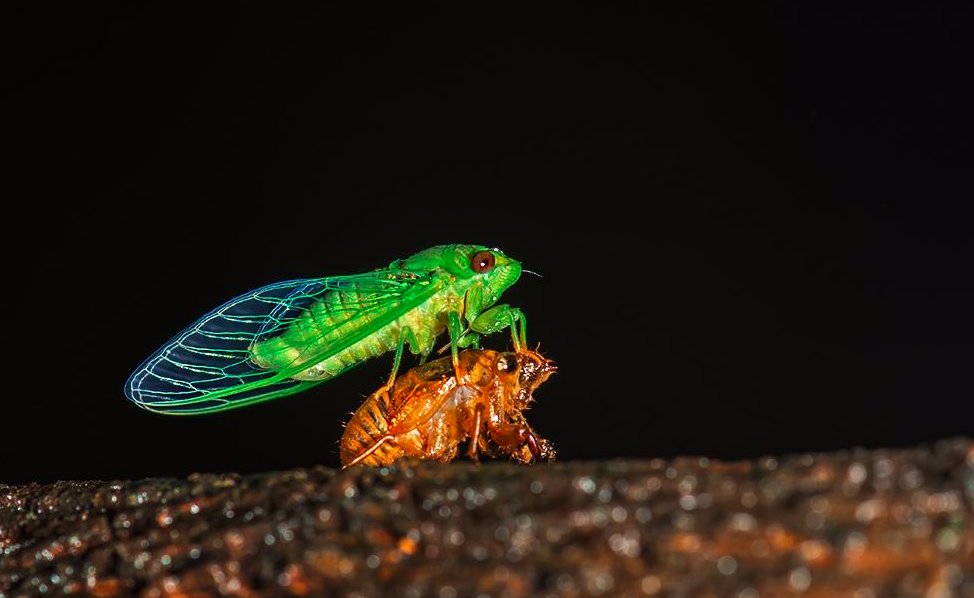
{"x": 430, "y": 410}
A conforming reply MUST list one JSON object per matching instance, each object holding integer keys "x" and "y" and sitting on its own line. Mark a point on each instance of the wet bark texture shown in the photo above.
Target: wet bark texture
{"x": 857, "y": 524}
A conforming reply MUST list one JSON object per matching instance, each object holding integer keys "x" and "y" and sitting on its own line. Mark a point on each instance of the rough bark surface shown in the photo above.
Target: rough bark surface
{"x": 857, "y": 524}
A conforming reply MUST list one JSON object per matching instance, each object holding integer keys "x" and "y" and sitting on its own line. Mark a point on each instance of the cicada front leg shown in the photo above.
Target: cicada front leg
{"x": 500, "y": 317}
{"x": 469, "y": 340}
{"x": 514, "y": 439}
{"x": 511, "y": 437}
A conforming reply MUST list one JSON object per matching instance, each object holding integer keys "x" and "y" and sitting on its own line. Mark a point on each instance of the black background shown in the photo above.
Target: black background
{"x": 751, "y": 224}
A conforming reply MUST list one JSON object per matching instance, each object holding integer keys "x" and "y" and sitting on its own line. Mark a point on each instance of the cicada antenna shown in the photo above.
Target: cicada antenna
{"x": 530, "y": 272}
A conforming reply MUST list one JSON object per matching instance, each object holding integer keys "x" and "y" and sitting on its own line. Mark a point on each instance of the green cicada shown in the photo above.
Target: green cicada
{"x": 290, "y": 336}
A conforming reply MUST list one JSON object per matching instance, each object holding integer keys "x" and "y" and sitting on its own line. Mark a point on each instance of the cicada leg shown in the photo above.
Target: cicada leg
{"x": 500, "y": 317}
{"x": 510, "y": 438}
{"x": 478, "y": 420}
{"x": 456, "y": 331}
{"x": 520, "y": 341}
{"x": 405, "y": 334}
{"x": 467, "y": 340}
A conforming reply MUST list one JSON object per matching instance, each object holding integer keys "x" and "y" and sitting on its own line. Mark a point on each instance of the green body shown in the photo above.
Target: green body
{"x": 456, "y": 289}
{"x": 338, "y": 323}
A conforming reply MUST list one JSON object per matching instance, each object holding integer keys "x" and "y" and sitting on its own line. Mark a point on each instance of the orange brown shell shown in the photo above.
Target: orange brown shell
{"x": 431, "y": 409}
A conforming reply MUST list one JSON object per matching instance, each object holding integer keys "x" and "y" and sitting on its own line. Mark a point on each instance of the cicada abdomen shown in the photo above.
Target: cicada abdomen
{"x": 429, "y": 411}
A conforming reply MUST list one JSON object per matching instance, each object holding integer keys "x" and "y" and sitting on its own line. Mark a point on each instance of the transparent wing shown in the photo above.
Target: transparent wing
{"x": 209, "y": 366}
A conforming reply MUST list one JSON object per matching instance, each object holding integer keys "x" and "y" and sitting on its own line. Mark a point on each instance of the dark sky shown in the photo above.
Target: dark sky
{"x": 752, "y": 225}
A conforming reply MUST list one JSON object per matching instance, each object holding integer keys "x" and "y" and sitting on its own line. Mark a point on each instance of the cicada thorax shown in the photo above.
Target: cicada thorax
{"x": 339, "y": 314}
{"x": 430, "y": 411}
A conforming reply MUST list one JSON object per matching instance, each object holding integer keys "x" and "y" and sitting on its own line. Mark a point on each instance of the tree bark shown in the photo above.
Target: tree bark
{"x": 856, "y": 524}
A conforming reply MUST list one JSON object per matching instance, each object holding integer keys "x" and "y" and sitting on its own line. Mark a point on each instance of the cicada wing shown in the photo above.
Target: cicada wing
{"x": 209, "y": 366}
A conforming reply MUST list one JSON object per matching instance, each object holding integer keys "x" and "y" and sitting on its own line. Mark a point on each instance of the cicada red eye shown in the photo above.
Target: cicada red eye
{"x": 482, "y": 261}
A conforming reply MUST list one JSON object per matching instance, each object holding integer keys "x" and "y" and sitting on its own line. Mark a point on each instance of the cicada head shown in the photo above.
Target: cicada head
{"x": 494, "y": 271}
{"x": 517, "y": 374}
{"x": 488, "y": 270}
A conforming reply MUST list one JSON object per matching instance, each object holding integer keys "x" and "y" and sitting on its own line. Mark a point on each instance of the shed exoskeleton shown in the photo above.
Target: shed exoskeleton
{"x": 430, "y": 410}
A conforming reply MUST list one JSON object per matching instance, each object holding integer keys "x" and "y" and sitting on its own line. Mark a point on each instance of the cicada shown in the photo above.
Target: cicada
{"x": 287, "y": 337}
{"x": 434, "y": 407}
